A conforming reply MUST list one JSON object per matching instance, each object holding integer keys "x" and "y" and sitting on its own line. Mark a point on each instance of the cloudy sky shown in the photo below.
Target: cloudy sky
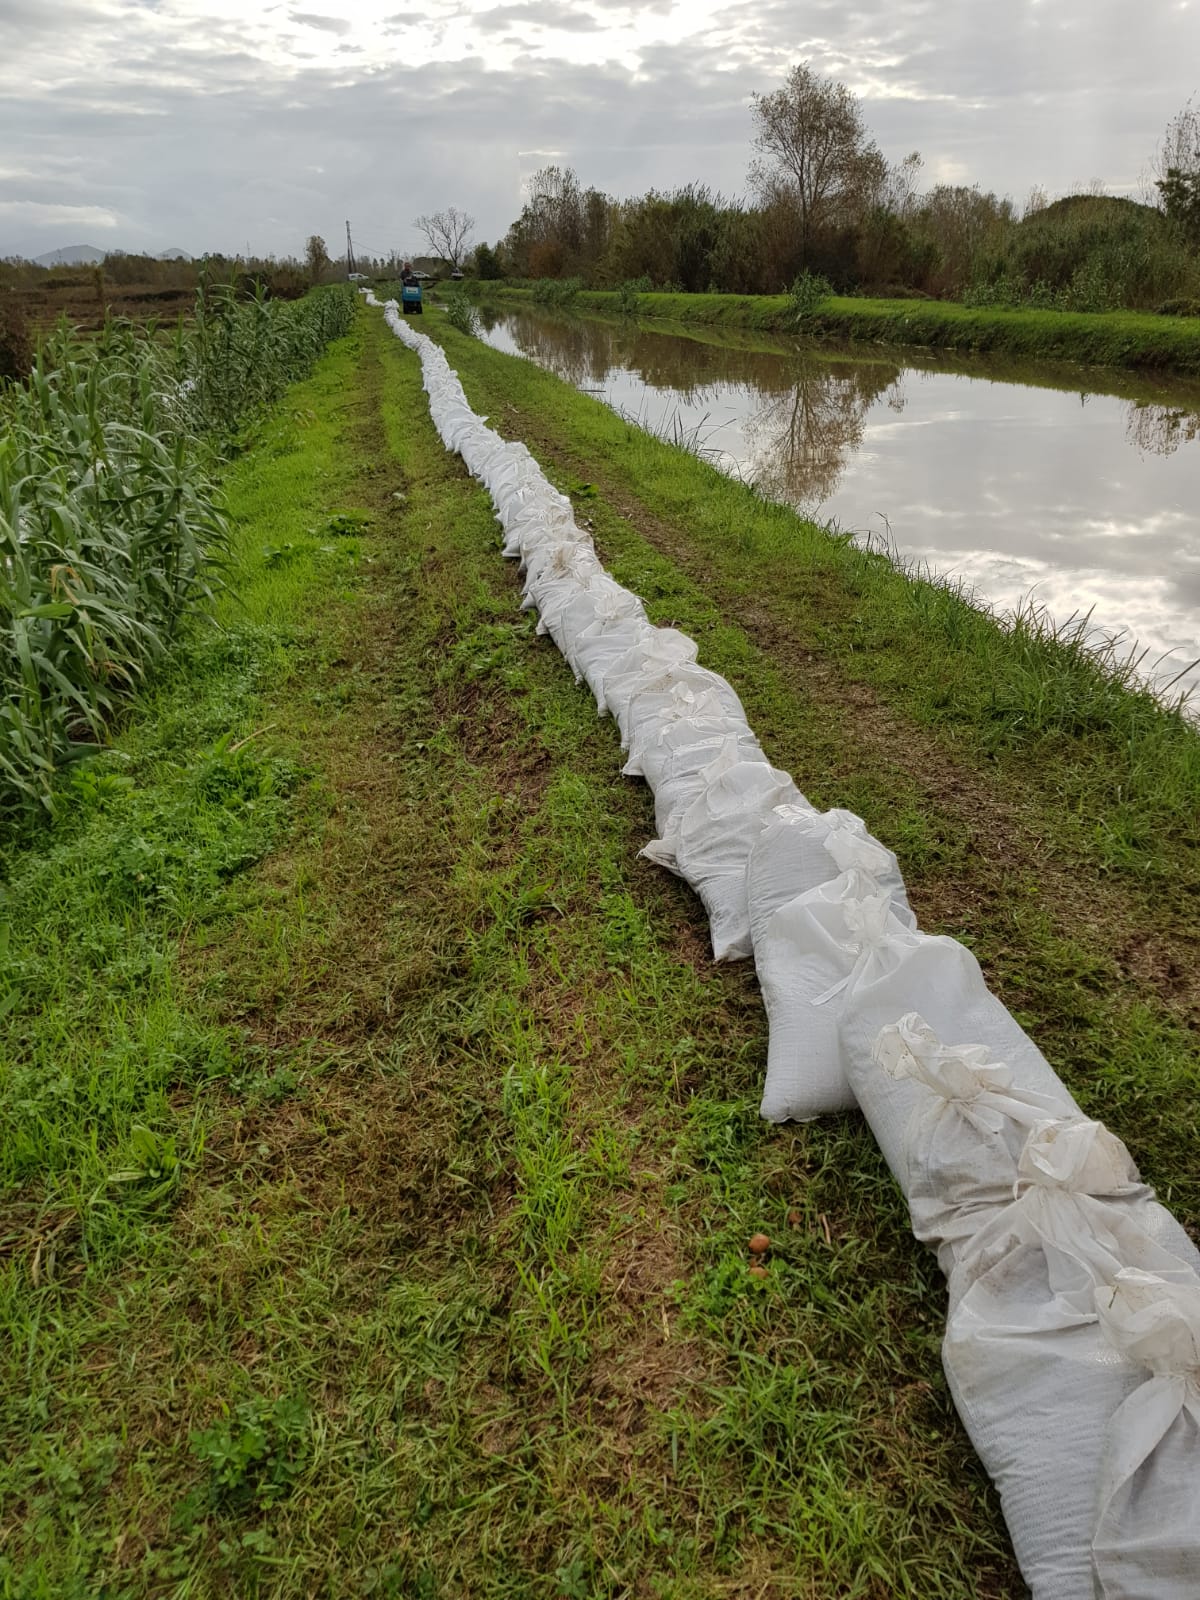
{"x": 220, "y": 124}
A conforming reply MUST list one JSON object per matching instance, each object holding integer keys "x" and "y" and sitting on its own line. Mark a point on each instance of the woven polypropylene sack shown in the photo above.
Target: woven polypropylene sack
{"x": 555, "y": 581}
{"x": 1147, "y": 1539}
{"x": 603, "y": 643}
{"x": 704, "y": 722}
{"x": 657, "y": 750}
{"x": 680, "y": 780}
{"x": 811, "y": 955}
{"x": 586, "y": 618}
{"x": 685, "y": 690}
{"x": 684, "y": 778}
{"x": 546, "y": 518}
{"x": 1025, "y": 1352}
{"x": 951, "y": 1118}
{"x": 664, "y": 647}
{"x": 712, "y": 841}
{"x": 800, "y": 848}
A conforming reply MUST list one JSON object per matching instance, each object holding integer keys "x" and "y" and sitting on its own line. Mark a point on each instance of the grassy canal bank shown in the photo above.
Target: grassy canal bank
{"x": 1123, "y": 339}
{"x": 381, "y": 1144}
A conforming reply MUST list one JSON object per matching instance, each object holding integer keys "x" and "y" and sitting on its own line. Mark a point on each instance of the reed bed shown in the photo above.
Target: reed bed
{"x": 111, "y": 530}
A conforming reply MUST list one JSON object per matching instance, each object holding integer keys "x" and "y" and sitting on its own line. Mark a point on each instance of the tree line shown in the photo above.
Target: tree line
{"x": 825, "y": 203}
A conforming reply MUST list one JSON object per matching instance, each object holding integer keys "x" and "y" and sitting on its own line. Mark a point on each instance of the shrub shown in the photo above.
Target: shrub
{"x": 630, "y": 293}
{"x": 807, "y": 293}
{"x": 461, "y": 314}
{"x": 556, "y": 291}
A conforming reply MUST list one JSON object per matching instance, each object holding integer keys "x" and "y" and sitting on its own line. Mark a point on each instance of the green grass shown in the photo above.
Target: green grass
{"x": 446, "y": 1291}
{"x": 1040, "y": 810}
{"x": 1126, "y": 339}
{"x": 1028, "y": 695}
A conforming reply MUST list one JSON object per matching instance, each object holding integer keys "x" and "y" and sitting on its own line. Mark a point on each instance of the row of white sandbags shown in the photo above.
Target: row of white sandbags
{"x": 1047, "y": 1347}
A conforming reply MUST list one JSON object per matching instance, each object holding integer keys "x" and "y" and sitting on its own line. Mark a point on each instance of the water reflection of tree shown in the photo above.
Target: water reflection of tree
{"x": 1160, "y": 430}
{"x": 812, "y": 410}
{"x": 801, "y": 438}
{"x": 585, "y": 351}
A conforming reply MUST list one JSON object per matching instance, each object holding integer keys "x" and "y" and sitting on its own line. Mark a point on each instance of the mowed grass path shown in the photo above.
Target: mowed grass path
{"x": 382, "y": 1144}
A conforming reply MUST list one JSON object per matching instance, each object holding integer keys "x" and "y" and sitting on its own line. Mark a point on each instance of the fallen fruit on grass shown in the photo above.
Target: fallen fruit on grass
{"x": 757, "y": 1270}
{"x": 793, "y": 1219}
{"x": 760, "y": 1244}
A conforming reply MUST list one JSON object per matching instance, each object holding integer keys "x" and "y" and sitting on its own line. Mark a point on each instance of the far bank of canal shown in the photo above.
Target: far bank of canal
{"x": 1075, "y": 486}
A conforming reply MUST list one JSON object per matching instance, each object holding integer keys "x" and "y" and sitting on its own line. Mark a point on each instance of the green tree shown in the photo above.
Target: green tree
{"x": 316, "y": 258}
{"x": 487, "y": 262}
{"x": 815, "y": 151}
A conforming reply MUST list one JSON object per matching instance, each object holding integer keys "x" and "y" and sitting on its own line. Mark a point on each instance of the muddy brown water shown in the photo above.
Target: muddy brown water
{"x": 1077, "y": 490}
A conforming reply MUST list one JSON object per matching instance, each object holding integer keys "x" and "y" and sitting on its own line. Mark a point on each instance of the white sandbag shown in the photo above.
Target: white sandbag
{"x": 481, "y": 449}
{"x": 456, "y": 423}
{"x": 600, "y": 607}
{"x": 678, "y": 691}
{"x": 516, "y": 497}
{"x": 664, "y": 648}
{"x": 703, "y": 767}
{"x": 800, "y": 848}
{"x": 674, "y": 719}
{"x": 1076, "y": 1191}
{"x": 511, "y": 470}
{"x": 812, "y": 955}
{"x": 951, "y": 1119}
{"x": 711, "y": 841}
{"x": 659, "y": 751}
{"x": 1025, "y": 1356}
{"x": 545, "y": 518}
{"x": 555, "y": 576}
{"x": 602, "y": 644}
{"x": 1147, "y": 1539}
{"x": 681, "y": 780}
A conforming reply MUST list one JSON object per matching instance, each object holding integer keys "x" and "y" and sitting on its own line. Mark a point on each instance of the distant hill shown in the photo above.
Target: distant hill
{"x": 1096, "y": 208}
{"x": 89, "y": 255}
{"x": 72, "y": 255}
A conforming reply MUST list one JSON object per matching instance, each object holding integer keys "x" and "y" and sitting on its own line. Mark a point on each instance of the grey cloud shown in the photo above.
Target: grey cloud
{"x": 538, "y": 14}
{"x": 170, "y": 118}
{"x": 328, "y": 24}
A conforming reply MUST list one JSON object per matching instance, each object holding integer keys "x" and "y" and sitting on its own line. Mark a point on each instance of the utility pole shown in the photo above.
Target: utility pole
{"x": 349, "y": 251}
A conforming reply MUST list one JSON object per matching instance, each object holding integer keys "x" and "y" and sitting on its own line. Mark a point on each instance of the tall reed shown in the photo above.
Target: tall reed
{"x": 111, "y": 534}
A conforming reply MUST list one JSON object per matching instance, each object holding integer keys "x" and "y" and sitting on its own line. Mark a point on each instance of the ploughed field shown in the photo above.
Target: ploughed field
{"x": 381, "y": 1142}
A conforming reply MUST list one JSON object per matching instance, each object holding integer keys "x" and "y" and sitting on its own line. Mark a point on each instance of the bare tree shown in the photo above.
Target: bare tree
{"x": 448, "y": 234}
{"x": 1176, "y": 167}
{"x": 815, "y": 147}
{"x": 316, "y": 258}
{"x": 1180, "y": 147}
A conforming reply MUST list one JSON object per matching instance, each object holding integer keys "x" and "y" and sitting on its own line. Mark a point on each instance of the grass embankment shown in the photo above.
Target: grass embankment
{"x": 382, "y": 1144}
{"x": 1042, "y": 811}
{"x": 1128, "y": 339}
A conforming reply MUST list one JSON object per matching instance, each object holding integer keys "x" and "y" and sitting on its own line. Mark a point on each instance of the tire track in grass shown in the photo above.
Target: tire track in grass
{"x": 789, "y": 1469}
{"x": 455, "y": 1302}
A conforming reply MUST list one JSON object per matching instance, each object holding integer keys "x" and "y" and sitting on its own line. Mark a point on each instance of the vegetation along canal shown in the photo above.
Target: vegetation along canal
{"x": 1072, "y": 486}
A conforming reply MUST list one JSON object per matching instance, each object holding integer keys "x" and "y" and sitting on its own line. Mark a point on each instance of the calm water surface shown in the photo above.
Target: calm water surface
{"x": 1082, "y": 500}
